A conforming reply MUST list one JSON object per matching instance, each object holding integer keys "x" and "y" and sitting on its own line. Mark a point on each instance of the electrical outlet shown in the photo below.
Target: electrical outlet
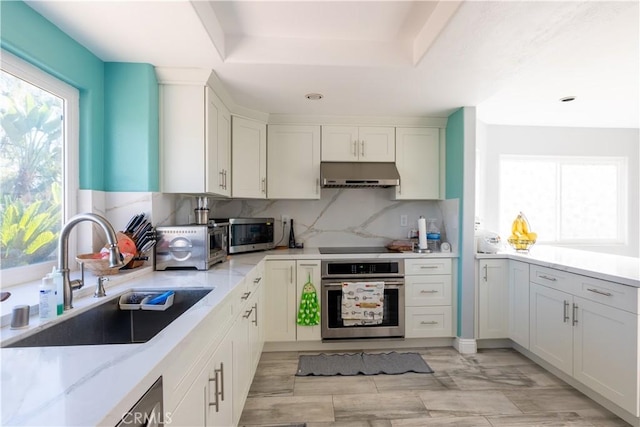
{"x": 403, "y": 221}
{"x": 285, "y": 219}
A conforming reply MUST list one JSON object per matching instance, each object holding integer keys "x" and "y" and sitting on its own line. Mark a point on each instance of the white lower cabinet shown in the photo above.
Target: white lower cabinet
{"x": 428, "y": 298}
{"x": 285, "y": 282}
{"x": 213, "y": 393}
{"x": 551, "y": 333}
{"x": 519, "y": 302}
{"x": 493, "y": 295}
{"x": 280, "y": 303}
{"x": 605, "y": 355}
{"x": 595, "y": 343}
{"x": 208, "y": 402}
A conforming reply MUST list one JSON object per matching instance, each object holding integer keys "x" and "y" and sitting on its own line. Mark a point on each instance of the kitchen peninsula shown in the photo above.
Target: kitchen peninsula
{"x": 67, "y": 388}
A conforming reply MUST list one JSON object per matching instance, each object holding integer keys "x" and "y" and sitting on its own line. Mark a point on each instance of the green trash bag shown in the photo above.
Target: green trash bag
{"x": 309, "y": 311}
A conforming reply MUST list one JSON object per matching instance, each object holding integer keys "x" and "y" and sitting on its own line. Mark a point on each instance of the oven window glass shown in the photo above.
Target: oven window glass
{"x": 390, "y": 316}
{"x": 251, "y": 234}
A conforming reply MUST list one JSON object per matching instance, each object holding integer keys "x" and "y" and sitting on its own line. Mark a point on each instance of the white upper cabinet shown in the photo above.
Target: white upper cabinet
{"x": 219, "y": 146}
{"x": 420, "y": 162}
{"x": 249, "y": 158}
{"x": 352, "y": 143}
{"x": 194, "y": 136}
{"x": 293, "y": 166}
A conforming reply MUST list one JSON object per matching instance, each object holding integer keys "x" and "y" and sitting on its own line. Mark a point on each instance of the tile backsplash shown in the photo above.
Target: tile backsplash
{"x": 342, "y": 217}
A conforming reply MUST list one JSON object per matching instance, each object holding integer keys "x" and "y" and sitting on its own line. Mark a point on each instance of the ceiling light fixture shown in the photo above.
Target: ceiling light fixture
{"x": 568, "y": 99}
{"x": 314, "y": 96}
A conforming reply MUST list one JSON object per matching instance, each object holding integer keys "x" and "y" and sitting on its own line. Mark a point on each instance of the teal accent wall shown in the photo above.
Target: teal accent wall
{"x": 455, "y": 184}
{"x": 119, "y": 143}
{"x": 28, "y": 35}
{"x": 131, "y": 112}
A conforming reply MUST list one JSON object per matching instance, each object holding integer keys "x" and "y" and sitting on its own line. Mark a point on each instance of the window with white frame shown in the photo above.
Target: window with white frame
{"x": 570, "y": 200}
{"x": 38, "y": 167}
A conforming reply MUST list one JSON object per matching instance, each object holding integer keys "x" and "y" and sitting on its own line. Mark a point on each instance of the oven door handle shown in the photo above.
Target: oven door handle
{"x": 387, "y": 283}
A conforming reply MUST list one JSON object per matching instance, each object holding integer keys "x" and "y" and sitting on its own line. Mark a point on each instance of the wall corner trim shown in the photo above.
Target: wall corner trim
{"x": 465, "y": 345}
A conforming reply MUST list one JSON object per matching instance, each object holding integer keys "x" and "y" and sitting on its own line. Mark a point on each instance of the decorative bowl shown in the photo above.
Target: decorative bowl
{"x": 100, "y": 267}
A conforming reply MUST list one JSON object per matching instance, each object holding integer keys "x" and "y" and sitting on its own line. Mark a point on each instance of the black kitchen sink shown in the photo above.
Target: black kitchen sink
{"x": 108, "y": 324}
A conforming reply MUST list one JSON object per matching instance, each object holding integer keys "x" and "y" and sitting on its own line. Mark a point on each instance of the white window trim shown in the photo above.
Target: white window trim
{"x": 623, "y": 202}
{"x": 34, "y": 75}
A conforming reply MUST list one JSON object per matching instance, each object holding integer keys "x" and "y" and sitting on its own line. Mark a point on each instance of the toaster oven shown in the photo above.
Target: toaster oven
{"x": 192, "y": 246}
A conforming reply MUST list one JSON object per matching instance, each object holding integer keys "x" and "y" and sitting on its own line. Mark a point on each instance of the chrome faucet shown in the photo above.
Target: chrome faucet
{"x": 68, "y": 286}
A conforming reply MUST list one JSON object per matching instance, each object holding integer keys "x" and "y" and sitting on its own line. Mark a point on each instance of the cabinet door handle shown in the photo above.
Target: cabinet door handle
{"x": 355, "y": 147}
{"x": 257, "y": 280}
{"x": 264, "y": 185}
{"x": 486, "y": 273}
{"x": 245, "y": 296}
{"x": 431, "y": 291}
{"x": 221, "y": 184}
{"x": 221, "y": 392}
{"x": 216, "y": 402}
{"x": 599, "y": 292}
{"x": 255, "y": 314}
{"x": 362, "y": 145}
{"x": 566, "y": 312}
{"x": 225, "y": 179}
{"x": 553, "y": 279}
{"x": 432, "y": 322}
{"x": 575, "y": 314}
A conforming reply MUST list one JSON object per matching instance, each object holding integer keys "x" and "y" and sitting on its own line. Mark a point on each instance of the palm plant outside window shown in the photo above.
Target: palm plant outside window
{"x": 32, "y": 175}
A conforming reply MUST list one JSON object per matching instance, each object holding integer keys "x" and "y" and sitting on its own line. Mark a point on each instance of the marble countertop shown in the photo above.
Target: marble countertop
{"x": 96, "y": 385}
{"x": 615, "y": 268}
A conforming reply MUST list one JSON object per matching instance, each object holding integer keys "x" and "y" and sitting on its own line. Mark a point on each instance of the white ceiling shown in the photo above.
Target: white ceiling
{"x": 514, "y": 60}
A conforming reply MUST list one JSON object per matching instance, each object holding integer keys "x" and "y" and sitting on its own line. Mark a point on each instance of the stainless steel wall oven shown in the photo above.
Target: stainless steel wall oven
{"x": 336, "y": 272}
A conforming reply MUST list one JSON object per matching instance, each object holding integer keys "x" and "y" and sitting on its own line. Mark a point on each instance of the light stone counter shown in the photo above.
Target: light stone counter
{"x": 614, "y": 268}
{"x": 96, "y": 385}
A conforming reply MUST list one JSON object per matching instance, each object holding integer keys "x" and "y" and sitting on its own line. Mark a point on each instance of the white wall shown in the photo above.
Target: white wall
{"x": 561, "y": 141}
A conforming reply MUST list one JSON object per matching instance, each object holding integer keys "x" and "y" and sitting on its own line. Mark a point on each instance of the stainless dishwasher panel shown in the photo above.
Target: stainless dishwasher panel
{"x": 148, "y": 411}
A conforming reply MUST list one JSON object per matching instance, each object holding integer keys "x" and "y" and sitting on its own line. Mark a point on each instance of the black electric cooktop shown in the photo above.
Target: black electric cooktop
{"x": 356, "y": 250}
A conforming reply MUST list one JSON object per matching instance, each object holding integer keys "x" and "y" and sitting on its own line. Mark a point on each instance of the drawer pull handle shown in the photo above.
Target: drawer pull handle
{"x": 553, "y": 279}
{"x": 596, "y": 291}
{"x": 245, "y": 296}
{"x": 308, "y": 265}
{"x": 431, "y": 291}
{"x": 432, "y": 322}
{"x": 256, "y": 281}
{"x": 428, "y": 266}
{"x": 566, "y": 311}
{"x": 247, "y": 314}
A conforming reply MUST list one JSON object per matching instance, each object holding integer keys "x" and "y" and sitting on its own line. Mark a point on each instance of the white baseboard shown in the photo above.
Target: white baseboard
{"x": 465, "y": 345}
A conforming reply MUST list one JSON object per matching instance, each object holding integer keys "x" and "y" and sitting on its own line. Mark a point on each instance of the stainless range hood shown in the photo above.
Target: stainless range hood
{"x": 358, "y": 174}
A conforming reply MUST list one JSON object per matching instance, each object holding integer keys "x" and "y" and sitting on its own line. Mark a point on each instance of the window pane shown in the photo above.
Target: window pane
{"x": 589, "y": 201}
{"x": 31, "y": 174}
{"x": 528, "y": 186}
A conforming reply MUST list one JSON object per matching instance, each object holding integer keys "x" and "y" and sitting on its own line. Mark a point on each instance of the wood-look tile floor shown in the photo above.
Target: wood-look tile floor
{"x": 497, "y": 387}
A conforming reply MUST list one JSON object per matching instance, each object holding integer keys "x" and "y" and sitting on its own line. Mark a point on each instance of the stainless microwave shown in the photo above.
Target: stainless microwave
{"x": 190, "y": 246}
{"x": 249, "y": 234}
